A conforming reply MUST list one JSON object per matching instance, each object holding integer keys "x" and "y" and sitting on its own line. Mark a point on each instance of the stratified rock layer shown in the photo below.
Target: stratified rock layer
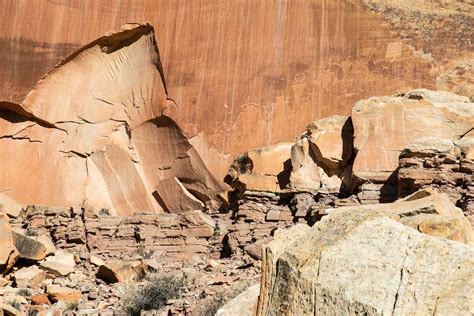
{"x": 364, "y": 263}
{"x": 97, "y": 132}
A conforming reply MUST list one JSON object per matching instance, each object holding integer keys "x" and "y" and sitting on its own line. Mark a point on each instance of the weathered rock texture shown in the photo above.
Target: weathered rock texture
{"x": 179, "y": 236}
{"x": 427, "y": 211}
{"x": 364, "y": 263}
{"x": 8, "y": 252}
{"x": 242, "y": 70}
{"x": 442, "y": 164}
{"x": 97, "y": 132}
{"x": 384, "y": 126}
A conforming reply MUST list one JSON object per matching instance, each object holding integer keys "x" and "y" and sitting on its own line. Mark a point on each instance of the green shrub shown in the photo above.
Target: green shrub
{"x": 104, "y": 212}
{"x": 31, "y": 232}
{"x": 152, "y": 295}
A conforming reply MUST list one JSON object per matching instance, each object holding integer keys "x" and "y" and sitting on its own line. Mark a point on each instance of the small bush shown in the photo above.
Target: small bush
{"x": 72, "y": 306}
{"x": 104, "y": 212}
{"x": 31, "y": 232}
{"x": 211, "y": 307}
{"x": 24, "y": 292}
{"x": 143, "y": 252}
{"x": 152, "y": 295}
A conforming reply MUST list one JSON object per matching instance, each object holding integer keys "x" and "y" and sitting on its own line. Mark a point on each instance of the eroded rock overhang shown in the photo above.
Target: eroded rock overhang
{"x": 98, "y": 131}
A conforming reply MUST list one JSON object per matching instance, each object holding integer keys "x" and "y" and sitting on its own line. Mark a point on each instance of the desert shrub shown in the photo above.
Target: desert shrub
{"x": 143, "y": 252}
{"x": 24, "y": 292}
{"x": 31, "y": 232}
{"x": 151, "y": 295}
{"x": 104, "y": 212}
{"x": 72, "y": 306}
{"x": 211, "y": 307}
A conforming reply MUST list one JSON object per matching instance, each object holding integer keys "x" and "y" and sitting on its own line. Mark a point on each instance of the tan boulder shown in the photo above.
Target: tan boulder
{"x": 29, "y": 277}
{"x": 364, "y": 262}
{"x": 10, "y": 207}
{"x": 120, "y": 271}
{"x": 384, "y": 126}
{"x": 466, "y": 145}
{"x": 58, "y": 293}
{"x": 29, "y": 248}
{"x": 331, "y": 141}
{"x": 263, "y": 169}
{"x": 305, "y": 173}
{"x": 244, "y": 304}
{"x": 197, "y": 224}
{"x": 61, "y": 264}
{"x": 174, "y": 198}
{"x": 96, "y": 260}
{"x": 427, "y": 211}
{"x": 8, "y": 252}
{"x": 48, "y": 244}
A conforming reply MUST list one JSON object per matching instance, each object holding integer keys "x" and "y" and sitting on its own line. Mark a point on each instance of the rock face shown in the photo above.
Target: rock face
{"x": 102, "y": 117}
{"x": 289, "y": 62}
{"x": 402, "y": 120}
{"x": 8, "y": 252}
{"x": 364, "y": 262}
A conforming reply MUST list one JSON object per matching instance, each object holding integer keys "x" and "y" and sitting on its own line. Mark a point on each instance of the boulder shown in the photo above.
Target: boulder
{"x": 40, "y": 299}
{"x": 29, "y": 248}
{"x": 384, "y": 126}
{"x": 29, "y": 277}
{"x": 96, "y": 260}
{"x": 61, "y": 264}
{"x": 58, "y": 293}
{"x": 11, "y": 207}
{"x": 119, "y": 271}
{"x": 244, "y": 304}
{"x": 48, "y": 244}
{"x": 8, "y": 252}
{"x": 174, "y": 198}
{"x": 197, "y": 224}
{"x": 305, "y": 173}
{"x": 330, "y": 140}
{"x": 466, "y": 145}
{"x": 364, "y": 262}
{"x": 320, "y": 158}
{"x": 427, "y": 211}
{"x": 264, "y": 169}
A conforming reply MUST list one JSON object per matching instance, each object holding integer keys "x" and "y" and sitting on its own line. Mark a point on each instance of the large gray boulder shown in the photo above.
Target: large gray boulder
{"x": 365, "y": 263}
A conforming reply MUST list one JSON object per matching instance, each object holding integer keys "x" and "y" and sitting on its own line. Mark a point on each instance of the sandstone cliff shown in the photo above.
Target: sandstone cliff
{"x": 241, "y": 70}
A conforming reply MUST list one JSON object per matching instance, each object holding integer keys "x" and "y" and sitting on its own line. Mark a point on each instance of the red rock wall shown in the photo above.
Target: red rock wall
{"x": 247, "y": 73}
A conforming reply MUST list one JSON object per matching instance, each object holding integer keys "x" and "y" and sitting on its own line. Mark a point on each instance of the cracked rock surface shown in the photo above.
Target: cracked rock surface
{"x": 98, "y": 132}
{"x": 364, "y": 263}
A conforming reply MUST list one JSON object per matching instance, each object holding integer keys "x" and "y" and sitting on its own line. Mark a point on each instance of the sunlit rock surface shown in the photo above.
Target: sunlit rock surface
{"x": 240, "y": 71}
{"x": 97, "y": 132}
